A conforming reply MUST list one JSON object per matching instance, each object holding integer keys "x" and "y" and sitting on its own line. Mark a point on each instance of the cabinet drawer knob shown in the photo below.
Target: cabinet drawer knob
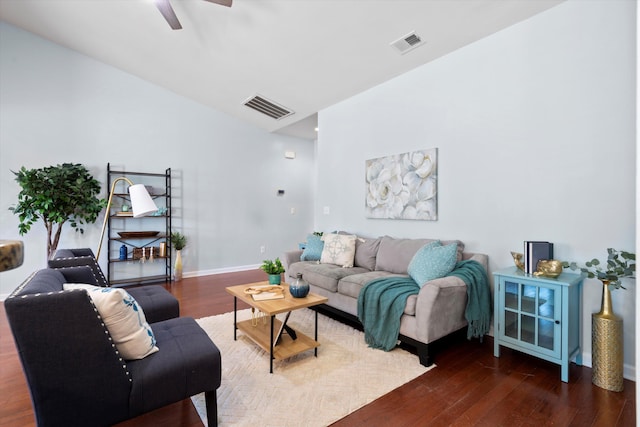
{"x": 557, "y": 322}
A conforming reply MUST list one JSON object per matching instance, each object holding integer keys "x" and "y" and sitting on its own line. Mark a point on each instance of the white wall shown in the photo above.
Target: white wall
{"x": 535, "y": 127}
{"x": 59, "y": 106}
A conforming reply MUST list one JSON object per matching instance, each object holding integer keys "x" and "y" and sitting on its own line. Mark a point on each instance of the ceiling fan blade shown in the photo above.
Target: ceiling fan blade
{"x": 221, "y": 2}
{"x": 167, "y": 11}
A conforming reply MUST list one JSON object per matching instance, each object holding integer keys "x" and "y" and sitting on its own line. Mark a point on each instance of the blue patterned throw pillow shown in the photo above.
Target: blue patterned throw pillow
{"x": 313, "y": 249}
{"x": 432, "y": 261}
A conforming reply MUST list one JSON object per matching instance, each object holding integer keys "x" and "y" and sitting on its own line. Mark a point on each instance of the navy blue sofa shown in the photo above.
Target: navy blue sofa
{"x": 158, "y": 303}
{"x": 75, "y": 375}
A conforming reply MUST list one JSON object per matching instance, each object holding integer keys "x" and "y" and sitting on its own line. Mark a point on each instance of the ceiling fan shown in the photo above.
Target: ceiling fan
{"x": 167, "y": 11}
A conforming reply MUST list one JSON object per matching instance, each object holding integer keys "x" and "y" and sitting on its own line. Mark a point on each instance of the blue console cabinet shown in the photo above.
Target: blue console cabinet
{"x": 539, "y": 316}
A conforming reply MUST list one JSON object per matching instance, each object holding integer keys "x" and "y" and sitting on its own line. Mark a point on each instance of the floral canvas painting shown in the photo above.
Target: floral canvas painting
{"x": 403, "y": 186}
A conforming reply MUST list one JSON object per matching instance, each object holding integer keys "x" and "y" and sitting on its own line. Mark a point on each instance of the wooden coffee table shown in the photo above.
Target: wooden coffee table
{"x": 264, "y": 333}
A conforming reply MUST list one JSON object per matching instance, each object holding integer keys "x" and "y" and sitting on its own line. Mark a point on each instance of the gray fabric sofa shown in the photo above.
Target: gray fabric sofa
{"x": 435, "y": 312}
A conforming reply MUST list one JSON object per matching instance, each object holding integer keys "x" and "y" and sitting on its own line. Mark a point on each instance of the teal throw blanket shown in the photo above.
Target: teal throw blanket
{"x": 478, "y": 311}
{"x": 381, "y": 303}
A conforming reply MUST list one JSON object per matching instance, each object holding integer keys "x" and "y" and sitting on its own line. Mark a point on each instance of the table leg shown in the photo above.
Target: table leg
{"x": 235, "y": 319}
{"x": 271, "y": 347}
{"x": 315, "y": 350}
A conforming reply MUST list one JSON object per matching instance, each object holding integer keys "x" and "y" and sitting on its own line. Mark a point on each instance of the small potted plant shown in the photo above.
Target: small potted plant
{"x": 274, "y": 269}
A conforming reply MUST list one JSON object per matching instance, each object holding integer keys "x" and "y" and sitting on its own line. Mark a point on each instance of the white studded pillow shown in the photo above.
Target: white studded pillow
{"x": 123, "y": 318}
{"x": 339, "y": 249}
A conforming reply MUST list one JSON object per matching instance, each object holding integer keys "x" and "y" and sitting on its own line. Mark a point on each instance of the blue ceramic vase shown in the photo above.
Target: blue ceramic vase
{"x": 299, "y": 288}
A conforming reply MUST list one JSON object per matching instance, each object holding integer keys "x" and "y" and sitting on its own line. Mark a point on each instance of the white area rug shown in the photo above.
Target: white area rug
{"x": 303, "y": 390}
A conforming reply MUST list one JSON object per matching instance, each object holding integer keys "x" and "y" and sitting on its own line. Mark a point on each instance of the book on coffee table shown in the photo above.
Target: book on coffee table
{"x": 263, "y": 296}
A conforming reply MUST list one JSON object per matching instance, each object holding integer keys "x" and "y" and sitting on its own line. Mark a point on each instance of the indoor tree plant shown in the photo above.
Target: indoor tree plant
{"x": 274, "y": 269}
{"x": 606, "y": 327}
{"x": 57, "y": 195}
{"x": 178, "y": 241}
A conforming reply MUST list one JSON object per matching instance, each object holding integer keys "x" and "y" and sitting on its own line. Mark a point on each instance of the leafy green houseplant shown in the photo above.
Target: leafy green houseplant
{"x": 619, "y": 264}
{"x": 57, "y": 195}
{"x": 274, "y": 269}
{"x": 178, "y": 240}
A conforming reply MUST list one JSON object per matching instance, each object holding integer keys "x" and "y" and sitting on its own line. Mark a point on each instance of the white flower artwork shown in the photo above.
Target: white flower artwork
{"x": 403, "y": 186}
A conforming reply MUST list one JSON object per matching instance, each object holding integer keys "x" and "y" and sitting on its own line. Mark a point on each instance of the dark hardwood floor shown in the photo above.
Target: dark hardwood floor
{"x": 469, "y": 387}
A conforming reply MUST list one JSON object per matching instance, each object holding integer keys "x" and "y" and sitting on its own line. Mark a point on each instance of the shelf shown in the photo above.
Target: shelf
{"x": 287, "y": 347}
{"x": 133, "y": 270}
{"x": 136, "y": 259}
{"x": 138, "y": 280}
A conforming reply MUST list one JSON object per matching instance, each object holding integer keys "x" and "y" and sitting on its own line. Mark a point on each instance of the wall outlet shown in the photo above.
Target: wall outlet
{"x": 293, "y": 211}
{"x": 326, "y": 210}
{"x": 262, "y": 249}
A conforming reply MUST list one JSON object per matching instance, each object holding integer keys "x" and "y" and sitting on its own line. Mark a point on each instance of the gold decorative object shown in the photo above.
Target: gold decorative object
{"x": 548, "y": 268}
{"x": 517, "y": 259}
{"x": 255, "y": 290}
{"x": 11, "y": 254}
{"x": 607, "y": 345}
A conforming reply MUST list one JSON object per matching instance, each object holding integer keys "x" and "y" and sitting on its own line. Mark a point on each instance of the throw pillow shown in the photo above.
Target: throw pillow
{"x": 366, "y": 251}
{"x": 339, "y": 249}
{"x": 123, "y": 318}
{"x": 313, "y": 249}
{"x": 432, "y": 261}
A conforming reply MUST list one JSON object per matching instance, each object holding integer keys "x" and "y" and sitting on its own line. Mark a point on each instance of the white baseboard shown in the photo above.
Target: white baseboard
{"x": 221, "y": 270}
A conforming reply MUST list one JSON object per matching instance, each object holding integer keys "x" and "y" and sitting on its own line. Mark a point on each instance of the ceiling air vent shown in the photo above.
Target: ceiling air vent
{"x": 267, "y": 107}
{"x": 407, "y": 43}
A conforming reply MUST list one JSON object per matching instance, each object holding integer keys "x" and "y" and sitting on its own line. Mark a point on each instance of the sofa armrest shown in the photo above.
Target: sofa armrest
{"x": 440, "y": 308}
{"x": 291, "y": 257}
{"x": 77, "y": 257}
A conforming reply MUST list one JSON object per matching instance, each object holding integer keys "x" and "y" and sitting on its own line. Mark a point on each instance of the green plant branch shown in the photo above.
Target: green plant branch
{"x": 619, "y": 264}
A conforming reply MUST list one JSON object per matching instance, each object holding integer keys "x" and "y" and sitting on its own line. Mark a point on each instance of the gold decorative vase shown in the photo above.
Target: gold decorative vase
{"x": 177, "y": 269}
{"x": 607, "y": 345}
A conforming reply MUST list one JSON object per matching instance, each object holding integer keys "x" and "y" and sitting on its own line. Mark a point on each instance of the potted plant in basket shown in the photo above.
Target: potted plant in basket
{"x": 274, "y": 269}
{"x": 606, "y": 326}
{"x": 178, "y": 241}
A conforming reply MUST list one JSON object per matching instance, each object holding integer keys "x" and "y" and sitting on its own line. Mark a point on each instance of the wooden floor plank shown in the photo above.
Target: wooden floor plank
{"x": 468, "y": 387}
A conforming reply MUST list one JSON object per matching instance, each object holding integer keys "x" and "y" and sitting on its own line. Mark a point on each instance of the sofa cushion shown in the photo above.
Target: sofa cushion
{"x": 352, "y": 285}
{"x": 188, "y": 363}
{"x": 394, "y": 254}
{"x": 313, "y": 248}
{"x": 432, "y": 261}
{"x": 299, "y": 268}
{"x": 124, "y": 319}
{"x": 339, "y": 249}
{"x": 327, "y": 276}
{"x": 366, "y": 251}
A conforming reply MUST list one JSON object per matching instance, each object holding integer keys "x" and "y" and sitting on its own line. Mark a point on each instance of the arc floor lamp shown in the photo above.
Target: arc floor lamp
{"x": 141, "y": 204}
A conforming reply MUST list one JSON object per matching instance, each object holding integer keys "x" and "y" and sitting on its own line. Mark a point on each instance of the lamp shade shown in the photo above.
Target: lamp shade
{"x": 141, "y": 202}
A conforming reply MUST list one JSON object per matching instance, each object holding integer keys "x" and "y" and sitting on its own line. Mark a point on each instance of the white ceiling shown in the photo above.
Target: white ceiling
{"x": 303, "y": 54}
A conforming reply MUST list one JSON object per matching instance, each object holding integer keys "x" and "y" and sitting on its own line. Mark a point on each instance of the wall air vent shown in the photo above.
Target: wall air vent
{"x": 407, "y": 43}
{"x": 270, "y": 108}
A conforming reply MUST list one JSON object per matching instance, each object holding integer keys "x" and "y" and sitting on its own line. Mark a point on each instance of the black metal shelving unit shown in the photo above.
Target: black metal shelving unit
{"x": 134, "y": 270}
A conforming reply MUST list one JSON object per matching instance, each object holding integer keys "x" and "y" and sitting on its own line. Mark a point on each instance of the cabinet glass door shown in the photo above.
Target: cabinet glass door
{"x": 530, "y": 313}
